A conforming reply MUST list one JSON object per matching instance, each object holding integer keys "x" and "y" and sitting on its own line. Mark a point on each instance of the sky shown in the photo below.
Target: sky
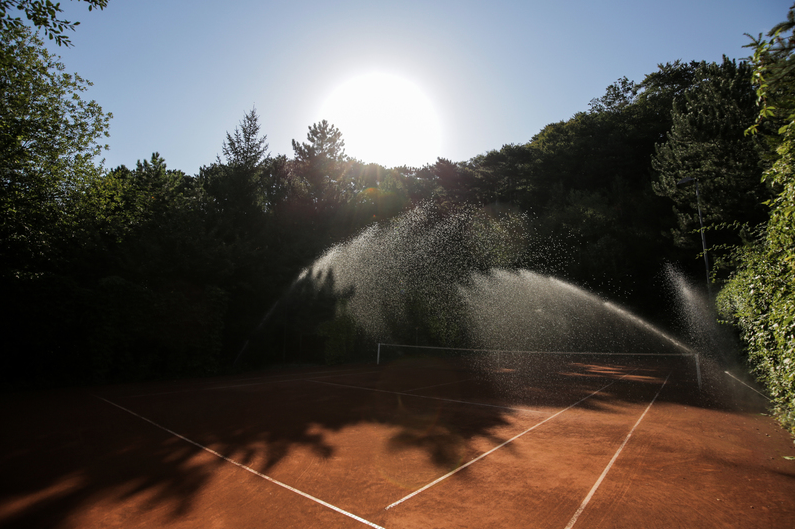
{"x": 177, "y": 75}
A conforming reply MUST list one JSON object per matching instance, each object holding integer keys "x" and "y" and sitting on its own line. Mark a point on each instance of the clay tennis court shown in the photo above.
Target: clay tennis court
{"x": 414, "y": 443}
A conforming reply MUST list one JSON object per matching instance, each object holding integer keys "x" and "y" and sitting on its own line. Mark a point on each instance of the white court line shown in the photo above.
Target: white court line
{"x": 275, "y": 376}
{"x": 437, "y": 385}
{"x": 481, "y": 456}
{"x": 294, "y": 379}
{"x": 266, "y": 381}
{"x": 247, "y": 468}
{"x": 747, "y": 385}
{"x": 615, "y": 456}
{"x": 527, "y": 410}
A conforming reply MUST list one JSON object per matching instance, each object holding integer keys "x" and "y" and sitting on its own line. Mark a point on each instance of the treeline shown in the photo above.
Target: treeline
{"x": 147, "y": 272}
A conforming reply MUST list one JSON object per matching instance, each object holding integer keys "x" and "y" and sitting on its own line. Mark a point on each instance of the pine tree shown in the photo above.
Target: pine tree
{"x": 706, "y": 142}
{"x": 246, "y": 148}
{"x": 319, "y": 163}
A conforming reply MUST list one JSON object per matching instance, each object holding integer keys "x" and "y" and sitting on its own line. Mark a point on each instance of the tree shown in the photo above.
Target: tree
{"x": 617, "y": 97}
{"x": 773, "y": 61}
{"x": 149, "y": 221}
{"x": 44, "y": 15}
{"x": 319, "y": 162}
{"x": 325, "y": 142}
{"x": 248, "y": 179}
{"x": 246, "y": 148}
{"x": 141, "y": 283}
{"x": 662, "y": 87}
{"x": 587, "y": 183}
{"x": 244, "y": 197}
{"x": 456, "y": 183}
{"x": 503, "y": 172}
{"x": 48, "y": 141}
{"x": 706, "y": 142}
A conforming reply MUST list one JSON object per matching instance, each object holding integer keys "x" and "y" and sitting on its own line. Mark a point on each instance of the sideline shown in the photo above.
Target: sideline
{"x": 247, "y": 468}
{"x": 613, "y": 460}
{"x": 749, "y": 387}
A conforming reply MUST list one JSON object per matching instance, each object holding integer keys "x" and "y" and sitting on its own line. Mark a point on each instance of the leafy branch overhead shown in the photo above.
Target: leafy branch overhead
{"x": 774, "y": 68}
{"x": 43, "y": 14}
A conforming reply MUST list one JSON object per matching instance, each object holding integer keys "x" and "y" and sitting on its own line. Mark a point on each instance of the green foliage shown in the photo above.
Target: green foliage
{"x": 146, "y": 272}
{"x": 618, "y": 96}
{"x": 48, "y": 139}
{"x": 340, "y": 338}
{"x": 319, "y": 163}
{"x": 139, "y": 332}
{"x": 246, "y": 148}
{"x": 377, "y": 194}
{"x": 706, "y": 142}
{"x": 43, "y": 14}
{"x": 773, "y": 61}
{"x": 107, "y": 330}
{"x": 760, "y": 300}
{"x": 111, "y": 275}
{"x": 148, "y": 224}
{"x": 760, "y": 296}
{"x": 587, "y": 182}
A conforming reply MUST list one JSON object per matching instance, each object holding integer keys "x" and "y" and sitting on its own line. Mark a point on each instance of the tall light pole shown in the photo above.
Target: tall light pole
{"x": 686, "y": 182}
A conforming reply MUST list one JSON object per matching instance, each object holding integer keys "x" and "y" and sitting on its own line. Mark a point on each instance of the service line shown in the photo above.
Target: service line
{"x": 247, "y": 468}
{"x": 481, "y": 456}
{"x": 363, "y": 388}
{"x": 613, "y": 460}
{"x": 437, "y": 385}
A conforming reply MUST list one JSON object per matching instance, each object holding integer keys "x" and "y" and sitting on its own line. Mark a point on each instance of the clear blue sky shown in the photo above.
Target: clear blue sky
{"x": 178, "y": 74}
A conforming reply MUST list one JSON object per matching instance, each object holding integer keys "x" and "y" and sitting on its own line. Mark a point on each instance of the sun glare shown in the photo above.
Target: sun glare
{"x": 385, "y": 119}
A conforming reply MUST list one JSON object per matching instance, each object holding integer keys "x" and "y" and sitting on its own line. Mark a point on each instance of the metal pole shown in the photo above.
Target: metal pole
{"x": 703, "y": 240}
{"x": 684, "y": 182}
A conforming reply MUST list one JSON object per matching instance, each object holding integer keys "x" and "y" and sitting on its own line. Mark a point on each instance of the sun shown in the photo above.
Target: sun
{"x": 385, "y": 119}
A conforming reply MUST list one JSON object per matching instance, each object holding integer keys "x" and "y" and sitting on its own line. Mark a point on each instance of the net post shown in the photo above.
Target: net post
{"x": 378, "y": 355}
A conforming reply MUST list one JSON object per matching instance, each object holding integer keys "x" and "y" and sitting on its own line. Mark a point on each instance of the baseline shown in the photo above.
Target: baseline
{"x": 247, "y": 468}
{"x": 267, "y": 381}
{"x": 593, "y": 490}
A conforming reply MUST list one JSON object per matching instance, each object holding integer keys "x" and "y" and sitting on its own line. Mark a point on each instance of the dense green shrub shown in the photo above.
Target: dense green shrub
{"x": 761, "y": 294}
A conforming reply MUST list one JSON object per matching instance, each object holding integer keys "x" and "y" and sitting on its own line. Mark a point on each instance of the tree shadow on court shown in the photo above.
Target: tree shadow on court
{"x": 75, "y": 460}
{"x": 67, "y": 454}
{"x": 70, "y": 459}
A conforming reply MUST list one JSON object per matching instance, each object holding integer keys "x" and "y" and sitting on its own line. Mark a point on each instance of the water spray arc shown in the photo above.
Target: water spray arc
{"x": 448, "y": 278}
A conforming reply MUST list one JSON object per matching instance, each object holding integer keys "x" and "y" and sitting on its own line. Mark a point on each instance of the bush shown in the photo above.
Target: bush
{"x": 760, "y": 297}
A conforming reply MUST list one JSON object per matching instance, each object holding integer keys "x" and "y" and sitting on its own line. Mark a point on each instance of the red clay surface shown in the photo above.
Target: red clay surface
{"x": 587, "y": 446}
